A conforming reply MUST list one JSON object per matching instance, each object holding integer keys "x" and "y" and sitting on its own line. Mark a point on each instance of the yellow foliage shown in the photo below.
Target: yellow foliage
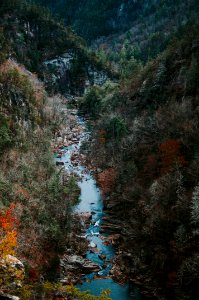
{"x": 8, "y": 241}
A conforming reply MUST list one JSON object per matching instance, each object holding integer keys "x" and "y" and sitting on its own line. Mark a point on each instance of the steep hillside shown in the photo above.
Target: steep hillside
{"x": 146, "y": 24}
{"x": 46, "y": 46}
{"x": 30, "y": 225}
{"x": 148, "y": 29}
{"x": 148, "y": 128}
{"x": 37, "y": 224}
{"x": 126, "y": 34}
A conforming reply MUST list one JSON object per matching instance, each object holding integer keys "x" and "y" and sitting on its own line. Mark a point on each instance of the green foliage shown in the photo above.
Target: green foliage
{"x": 72, "y": 190}
{"x": 54, "y": 186}
{"x": 48, "y": 290}
{"x": 92, "y": 102}
{"x": 18, "y": 82}
{"x": 116, "y": 128}
{"x": 130, "y": 67}
{"x": 74, "y": 292}
{"x": 35, "y": 36}
{"x": 4, "y": 46}
{"x": 38, "y": 36}
{"x": 8, "y": 6}
{"x": 78, "y": 71}
{"x": 151, "y": 90}
{"x": 19, "y": 101}
{"x": 133, "y": 121}
{"x": 5, "y": 191}
{"x": 28, "y": 173}
{"x": 6, "y": 136}
{"x": 79, "y": 14}
{"x": 144, "y": 23}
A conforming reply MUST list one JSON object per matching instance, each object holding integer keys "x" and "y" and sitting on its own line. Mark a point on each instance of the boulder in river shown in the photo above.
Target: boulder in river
{"x": 92, "y": 245}
{"x": 59, "y": 163}
{"x": 78, "y": 264}
{"x": 102, "y": 256}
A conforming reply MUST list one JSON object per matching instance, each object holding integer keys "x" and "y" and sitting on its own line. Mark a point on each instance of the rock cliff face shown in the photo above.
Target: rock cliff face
{"x": 96, "y": 77}
{"x": 56, "y": 72}
{"x": 63, "y": 74}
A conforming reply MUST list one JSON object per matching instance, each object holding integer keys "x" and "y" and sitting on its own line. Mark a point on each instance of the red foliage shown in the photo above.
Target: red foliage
{"x": 106, "y": 180}
{"x": 8, "y": 234}
{"x": 33, "y": 275}
{"x": 170, "y": 155}
{"x": 7, "y": 218}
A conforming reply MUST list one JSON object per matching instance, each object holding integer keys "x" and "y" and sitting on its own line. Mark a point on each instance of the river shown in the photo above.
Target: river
{"x": 91, "y": 202}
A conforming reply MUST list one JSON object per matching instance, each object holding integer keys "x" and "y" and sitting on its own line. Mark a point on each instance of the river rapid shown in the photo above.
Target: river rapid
{"x": 90, "y": 202}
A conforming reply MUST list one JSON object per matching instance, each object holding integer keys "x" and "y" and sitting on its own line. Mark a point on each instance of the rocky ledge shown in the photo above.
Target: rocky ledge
{"x": 78, "y": 263}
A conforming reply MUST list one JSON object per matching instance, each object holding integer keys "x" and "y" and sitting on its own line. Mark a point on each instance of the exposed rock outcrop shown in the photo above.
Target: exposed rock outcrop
{"x": 71, "y": 73}
{"x": 78, "y": 264}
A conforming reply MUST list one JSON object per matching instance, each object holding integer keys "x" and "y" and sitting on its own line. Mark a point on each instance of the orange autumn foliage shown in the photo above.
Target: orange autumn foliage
{"x": 170, "y": 155}
{"x": 8, "y": 234}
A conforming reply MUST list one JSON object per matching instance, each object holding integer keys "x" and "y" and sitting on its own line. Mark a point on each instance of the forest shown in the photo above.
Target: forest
{"x": 131, "y": 70}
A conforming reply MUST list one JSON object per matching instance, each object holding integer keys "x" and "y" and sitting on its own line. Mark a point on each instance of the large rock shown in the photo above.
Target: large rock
{"x": 14, "y": 262}
{"x": 92, "y": 245}
{"x": 12, "y": 272}
{"x": 78, "y": 264}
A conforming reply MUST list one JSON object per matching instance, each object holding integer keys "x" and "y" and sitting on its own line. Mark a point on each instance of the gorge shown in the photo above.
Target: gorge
{"x": 100, "y": 249}
{"x": 99, "y": 150}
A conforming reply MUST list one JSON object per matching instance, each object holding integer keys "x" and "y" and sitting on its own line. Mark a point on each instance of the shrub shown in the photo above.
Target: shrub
{"x": 73, "y": 292}
{"x": 6, "y": 136}
{"x": 92, "y": 102}
{"x": 116, "y": 128}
